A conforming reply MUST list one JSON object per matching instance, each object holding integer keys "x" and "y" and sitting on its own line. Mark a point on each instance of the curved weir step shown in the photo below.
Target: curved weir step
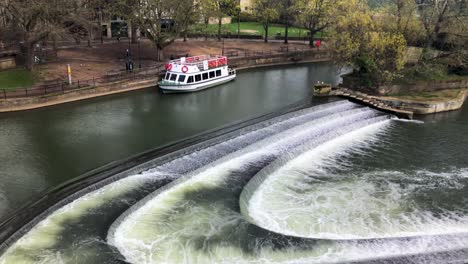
{"x": 207, "y": 203}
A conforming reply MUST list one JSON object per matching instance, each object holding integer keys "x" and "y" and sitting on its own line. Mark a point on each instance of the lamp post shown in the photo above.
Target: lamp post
{"x": 223, "y": 48}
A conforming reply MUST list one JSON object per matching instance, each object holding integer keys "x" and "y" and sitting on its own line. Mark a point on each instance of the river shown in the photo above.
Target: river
{"x": 335, "y": 182}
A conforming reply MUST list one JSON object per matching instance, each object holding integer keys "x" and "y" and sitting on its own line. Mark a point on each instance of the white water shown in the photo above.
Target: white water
{"x": 196, "y": 219}
{"x": 171, "y": 227}
{"x": 303, "y": 198}
{"x": 39, "y": 244}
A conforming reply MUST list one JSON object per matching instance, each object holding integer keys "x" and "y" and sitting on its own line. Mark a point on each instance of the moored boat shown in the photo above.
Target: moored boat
{"x": 196, "y": 73}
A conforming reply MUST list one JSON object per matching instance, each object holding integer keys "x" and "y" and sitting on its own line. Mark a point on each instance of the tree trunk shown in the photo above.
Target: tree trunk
{"x": 436, "y": 30}
{"x": 220, "y": 23}
{"x": 266, "y": 32}
{"x": 90, "y": 37}
{"x": 286, "y": 31}
{"x": 238, "y": 26}
{"x": 311, "y": 37}
{"x": 206, "y": 28}
{"x": 134, "y": 34}
{"x": 29, "y": 56}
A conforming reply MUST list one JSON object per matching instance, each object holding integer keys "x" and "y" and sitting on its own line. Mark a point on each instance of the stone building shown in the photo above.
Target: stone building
{"x": 246, "y": 5}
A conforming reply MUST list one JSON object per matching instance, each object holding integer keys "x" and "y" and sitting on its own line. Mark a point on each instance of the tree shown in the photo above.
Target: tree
{"x": 223, "y": 8}
{"x": 401, "y": 16}
{"x": 288, "y": 11}
{"x": 356, "y": 39}
{"x": 162, "y": 20}
{"x": 438, "y": 16}
{"x": 266, "y": 11}
{"x": 316, "y": 15}
{"x": 207, "y": 9}
{"x": 34, "y": 21}
{"x": 126, "y": 10}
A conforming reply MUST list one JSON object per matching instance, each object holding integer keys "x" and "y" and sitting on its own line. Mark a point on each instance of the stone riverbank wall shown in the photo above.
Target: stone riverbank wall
{"x": 241, "y": 64}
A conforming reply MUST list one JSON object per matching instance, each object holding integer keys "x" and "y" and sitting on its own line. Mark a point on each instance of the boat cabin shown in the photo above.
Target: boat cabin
{"x": 198, "y": 69}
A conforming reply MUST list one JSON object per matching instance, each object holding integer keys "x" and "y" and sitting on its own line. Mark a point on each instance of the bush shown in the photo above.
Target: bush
{"x": 245, "y": 17}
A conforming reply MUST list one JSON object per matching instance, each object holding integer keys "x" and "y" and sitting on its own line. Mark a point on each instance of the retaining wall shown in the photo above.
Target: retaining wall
{"x": 7, "y": 63}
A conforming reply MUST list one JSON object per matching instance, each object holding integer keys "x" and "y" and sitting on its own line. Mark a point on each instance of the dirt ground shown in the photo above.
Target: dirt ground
{"x": 97, "y": 61}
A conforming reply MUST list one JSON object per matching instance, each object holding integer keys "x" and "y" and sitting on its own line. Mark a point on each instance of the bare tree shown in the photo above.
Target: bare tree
{"x": 162, "y": 21}
{"x": 33, "y": 21}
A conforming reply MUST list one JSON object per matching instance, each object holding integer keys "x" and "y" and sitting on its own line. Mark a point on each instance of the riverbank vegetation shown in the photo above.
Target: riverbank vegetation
{"x": 372, "y": 36}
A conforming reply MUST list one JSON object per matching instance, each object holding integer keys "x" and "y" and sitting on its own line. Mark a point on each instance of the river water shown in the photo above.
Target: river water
{"x": 43, "y": 148}
{"x": 335, "y": 182}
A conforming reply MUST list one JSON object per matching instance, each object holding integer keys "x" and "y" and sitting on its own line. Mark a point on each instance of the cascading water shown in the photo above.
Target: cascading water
{"x": 264, "y": 194}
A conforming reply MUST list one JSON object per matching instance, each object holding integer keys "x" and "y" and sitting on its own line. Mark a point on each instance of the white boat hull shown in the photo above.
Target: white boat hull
{"x": 185, "y": 88}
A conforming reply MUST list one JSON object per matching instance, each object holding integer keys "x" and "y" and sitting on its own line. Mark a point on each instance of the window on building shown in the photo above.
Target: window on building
{"x": 182, "y": 78}
{"x": 190, "y": 79}
{"x": 197, "y": 77}
{"x": 173, "y": 77}
{"x": 205, "y": 76}
{"x": 218, "y": 73}
{"x": 212, "y": 74}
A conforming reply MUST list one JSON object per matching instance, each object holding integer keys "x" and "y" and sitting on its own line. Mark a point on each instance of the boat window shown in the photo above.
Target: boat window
{"x": 190, "y": 79}
{"x": 218, "y": 73}
{"x": 173, "y": 77}
{"x": 197, "y": 77}
{"x": 212, "y": 74}
{"x": 205, "y": 76}
{"x": 167, "y": 76}
{"x": 182, "y": 78}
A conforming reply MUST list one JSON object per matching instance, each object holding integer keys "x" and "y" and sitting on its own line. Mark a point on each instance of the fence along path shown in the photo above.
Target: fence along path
{"x": 136, "y": 74}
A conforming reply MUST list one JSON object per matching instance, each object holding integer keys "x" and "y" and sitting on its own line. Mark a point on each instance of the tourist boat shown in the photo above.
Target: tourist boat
{"x": 196, "y": 73}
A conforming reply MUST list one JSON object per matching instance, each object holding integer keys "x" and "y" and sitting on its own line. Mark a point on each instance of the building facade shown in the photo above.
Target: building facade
{"x": 246, "y": 5}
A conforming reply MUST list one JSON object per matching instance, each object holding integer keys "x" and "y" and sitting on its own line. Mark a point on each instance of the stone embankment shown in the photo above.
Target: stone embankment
{"x": 26, "y": 103}
{"x": 403, "y": 107}
{"x": 245, "y": 63}
{"x": 372, "y": 101}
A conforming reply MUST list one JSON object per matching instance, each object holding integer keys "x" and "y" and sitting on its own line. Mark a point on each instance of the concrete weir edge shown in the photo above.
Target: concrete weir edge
{"x": 21, "y": 221}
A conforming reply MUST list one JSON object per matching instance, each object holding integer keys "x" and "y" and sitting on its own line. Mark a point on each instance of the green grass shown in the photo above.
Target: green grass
{"x": 250, "y": 28}
{"x": 16, "y": 78}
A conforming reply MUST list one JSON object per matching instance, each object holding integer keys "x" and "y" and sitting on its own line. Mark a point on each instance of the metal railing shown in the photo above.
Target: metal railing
{"x": 62, "y": 87}
{"x": 58, "y": 87}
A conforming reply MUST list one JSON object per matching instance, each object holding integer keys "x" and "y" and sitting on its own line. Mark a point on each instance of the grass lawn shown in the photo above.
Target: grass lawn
{"x": 251, "y": 28}
{"x": 16, "y": 78}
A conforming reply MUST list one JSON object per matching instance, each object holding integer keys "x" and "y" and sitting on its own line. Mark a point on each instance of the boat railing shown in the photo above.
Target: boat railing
{"x": 197, "y": 60}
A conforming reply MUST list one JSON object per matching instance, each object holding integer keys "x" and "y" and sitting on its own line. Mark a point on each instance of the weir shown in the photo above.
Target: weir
{"x": 207, "y": 202}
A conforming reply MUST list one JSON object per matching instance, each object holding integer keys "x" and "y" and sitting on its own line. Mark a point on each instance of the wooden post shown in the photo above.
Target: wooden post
{"x": 4, "y": 94}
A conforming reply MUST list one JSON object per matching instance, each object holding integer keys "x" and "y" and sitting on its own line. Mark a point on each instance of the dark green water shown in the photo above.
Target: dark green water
{"x": 334, "y": 183}
{"x": 43, "y": 148}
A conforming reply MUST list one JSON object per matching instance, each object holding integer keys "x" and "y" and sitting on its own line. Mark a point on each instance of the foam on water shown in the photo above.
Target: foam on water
{"x": 169, "y": 225}
{"x": 301, "y": 197}
{"x": 45, "y": 235}
{"x": 197, "y": 218}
